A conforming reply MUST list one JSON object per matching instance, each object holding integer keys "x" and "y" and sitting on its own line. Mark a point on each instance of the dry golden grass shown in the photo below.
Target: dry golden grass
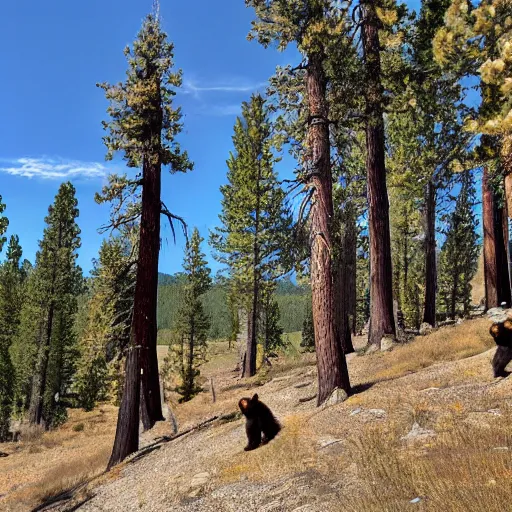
{"x": 45, "y": 464}
{"x": 62, "y": 477}
{"x": 446, "y": 344}
{"x": 467, "y": 468}
{"x": 458, "y": 470}
{"x": 292, "y": 451}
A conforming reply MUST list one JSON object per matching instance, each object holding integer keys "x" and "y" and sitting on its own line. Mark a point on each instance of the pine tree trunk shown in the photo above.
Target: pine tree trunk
{"x": 497, "y": 275}
{"x": 453, "y": 300}
{"x": 146, "y": 289}
{"x": 381, "y": 284}
{"x": 35, "y": 413}
{"x": 127, "y": 430}
{"x": 190, "y": 363}
{"x": 429, "y": 314}
{"x": 331, "y": 363}
{"x": 343, "y": 273}
{"x": 252, "y": 340}
{"x": 351, "y": 272}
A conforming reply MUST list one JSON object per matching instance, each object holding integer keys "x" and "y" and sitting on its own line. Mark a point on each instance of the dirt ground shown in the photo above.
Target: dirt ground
{"x": 427, "y": 427}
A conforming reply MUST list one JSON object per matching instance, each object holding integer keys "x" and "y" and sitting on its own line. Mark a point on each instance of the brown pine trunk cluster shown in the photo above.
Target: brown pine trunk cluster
{"x": 381, "y": 291}
{"x": 429, "y": 315}
{"x": 331, "y": 363}
{"x": 146, "y": 290}
{"x": 496, "y": 266}
{"x": 345, "y": 284}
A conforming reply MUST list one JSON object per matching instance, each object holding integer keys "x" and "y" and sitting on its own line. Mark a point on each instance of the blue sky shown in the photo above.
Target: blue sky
{"x": 51, "y": 112}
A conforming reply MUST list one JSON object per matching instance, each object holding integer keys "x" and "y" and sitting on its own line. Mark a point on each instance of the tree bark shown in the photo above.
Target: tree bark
{"x": 39, "y": 380}
{"x": 351, "y": 273}
{"x": 35, "y": 413}
{"x": 252, "y": 339}
{"x": 497, "y": 275}
{"x": 331, "y": 362}
{"x": 381, "y": 284}
{"x": 429, "y": 314}
{"x": 190, "y": 362}
{"x": 146, "y": 289}
{"x": 453, "y": 299}
{"x": 343, "y": 277}
{"x": 127, "y": 430}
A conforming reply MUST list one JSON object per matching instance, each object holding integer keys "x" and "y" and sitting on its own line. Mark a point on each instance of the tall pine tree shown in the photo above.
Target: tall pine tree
{"x": 459, "y": 254}
{"x": 476, "y": 41}
{"x": 311, "y": 24}
{"x": 109, "y": 315}
{"x": 193, "y": 323}
{"x": 255, "y": 221}
{"x": 11, "y": 299}
{"x": 143, "y": 126}
{"x": 57, "y": 283}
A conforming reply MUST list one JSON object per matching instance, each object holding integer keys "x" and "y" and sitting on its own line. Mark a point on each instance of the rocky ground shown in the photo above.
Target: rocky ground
{"x": 427, "y": 428}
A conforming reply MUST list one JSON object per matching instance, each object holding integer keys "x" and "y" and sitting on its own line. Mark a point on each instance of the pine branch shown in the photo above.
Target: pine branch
{"x": 172, "y": 217}
{"x": 118, "y": 223}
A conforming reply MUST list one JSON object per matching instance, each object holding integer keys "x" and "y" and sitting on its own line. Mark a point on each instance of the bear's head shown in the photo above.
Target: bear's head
{"x": 502, "y": 332}
{"x": 248, "y": 405}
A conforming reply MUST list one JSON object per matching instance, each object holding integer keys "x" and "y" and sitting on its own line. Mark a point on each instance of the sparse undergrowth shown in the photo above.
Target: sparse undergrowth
{"x": 290, "y": 452}
{"x": 446, "y": 344}
{"x": 465, "y": 466}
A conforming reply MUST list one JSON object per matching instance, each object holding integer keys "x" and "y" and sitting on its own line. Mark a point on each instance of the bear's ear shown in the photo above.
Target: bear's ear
{"x": 495, "y": 330}
{"x": 243, "y": 404}
{"x": 255, "y": 397}
{"x": 508, "y": 324}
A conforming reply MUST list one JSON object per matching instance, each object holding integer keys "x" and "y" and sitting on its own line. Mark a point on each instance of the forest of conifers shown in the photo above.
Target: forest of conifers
{"x": 292, "y": 300}
{"x": 400, "y": 126}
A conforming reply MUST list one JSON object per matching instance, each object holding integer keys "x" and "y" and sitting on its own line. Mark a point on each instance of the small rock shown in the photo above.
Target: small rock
{"x": 194, "y": 493}
{"x": 425, "y": 329}
{"x": 496, "y": 412}
{"x": 372, "y": 348}
{"x": 337, "y": 396}
{"x": 356, "y": 411}
{"x": 430, "y": 389}
{"x": 459, "y": 321}
{"x": 200, "y": 479}
{"x": 324, "y": 443}
{"x": 499, "y": 314}
{"x": 500, "y": 449}
{"x": 418, "y": 433}
{"x": 378, "y": 413}
{"x": 387, "y": 343}
{"x": 415, "y": 500}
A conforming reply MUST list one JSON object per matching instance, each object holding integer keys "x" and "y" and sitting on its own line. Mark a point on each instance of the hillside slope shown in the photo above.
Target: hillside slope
{"x": 427, "y": 423}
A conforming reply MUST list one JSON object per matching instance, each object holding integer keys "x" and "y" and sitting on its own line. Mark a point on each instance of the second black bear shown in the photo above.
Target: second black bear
{"x": 502, "y": 334}
{"x": 259, "y": 420}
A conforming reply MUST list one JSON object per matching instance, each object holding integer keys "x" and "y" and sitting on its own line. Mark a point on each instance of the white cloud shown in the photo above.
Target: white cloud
{"x": 190, "y": 87}
{"x": 53, "y": 168}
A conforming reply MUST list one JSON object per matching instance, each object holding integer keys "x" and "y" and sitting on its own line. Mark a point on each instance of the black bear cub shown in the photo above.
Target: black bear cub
{"x": 259, "y": 420}
{"x": 502, "y": 334}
